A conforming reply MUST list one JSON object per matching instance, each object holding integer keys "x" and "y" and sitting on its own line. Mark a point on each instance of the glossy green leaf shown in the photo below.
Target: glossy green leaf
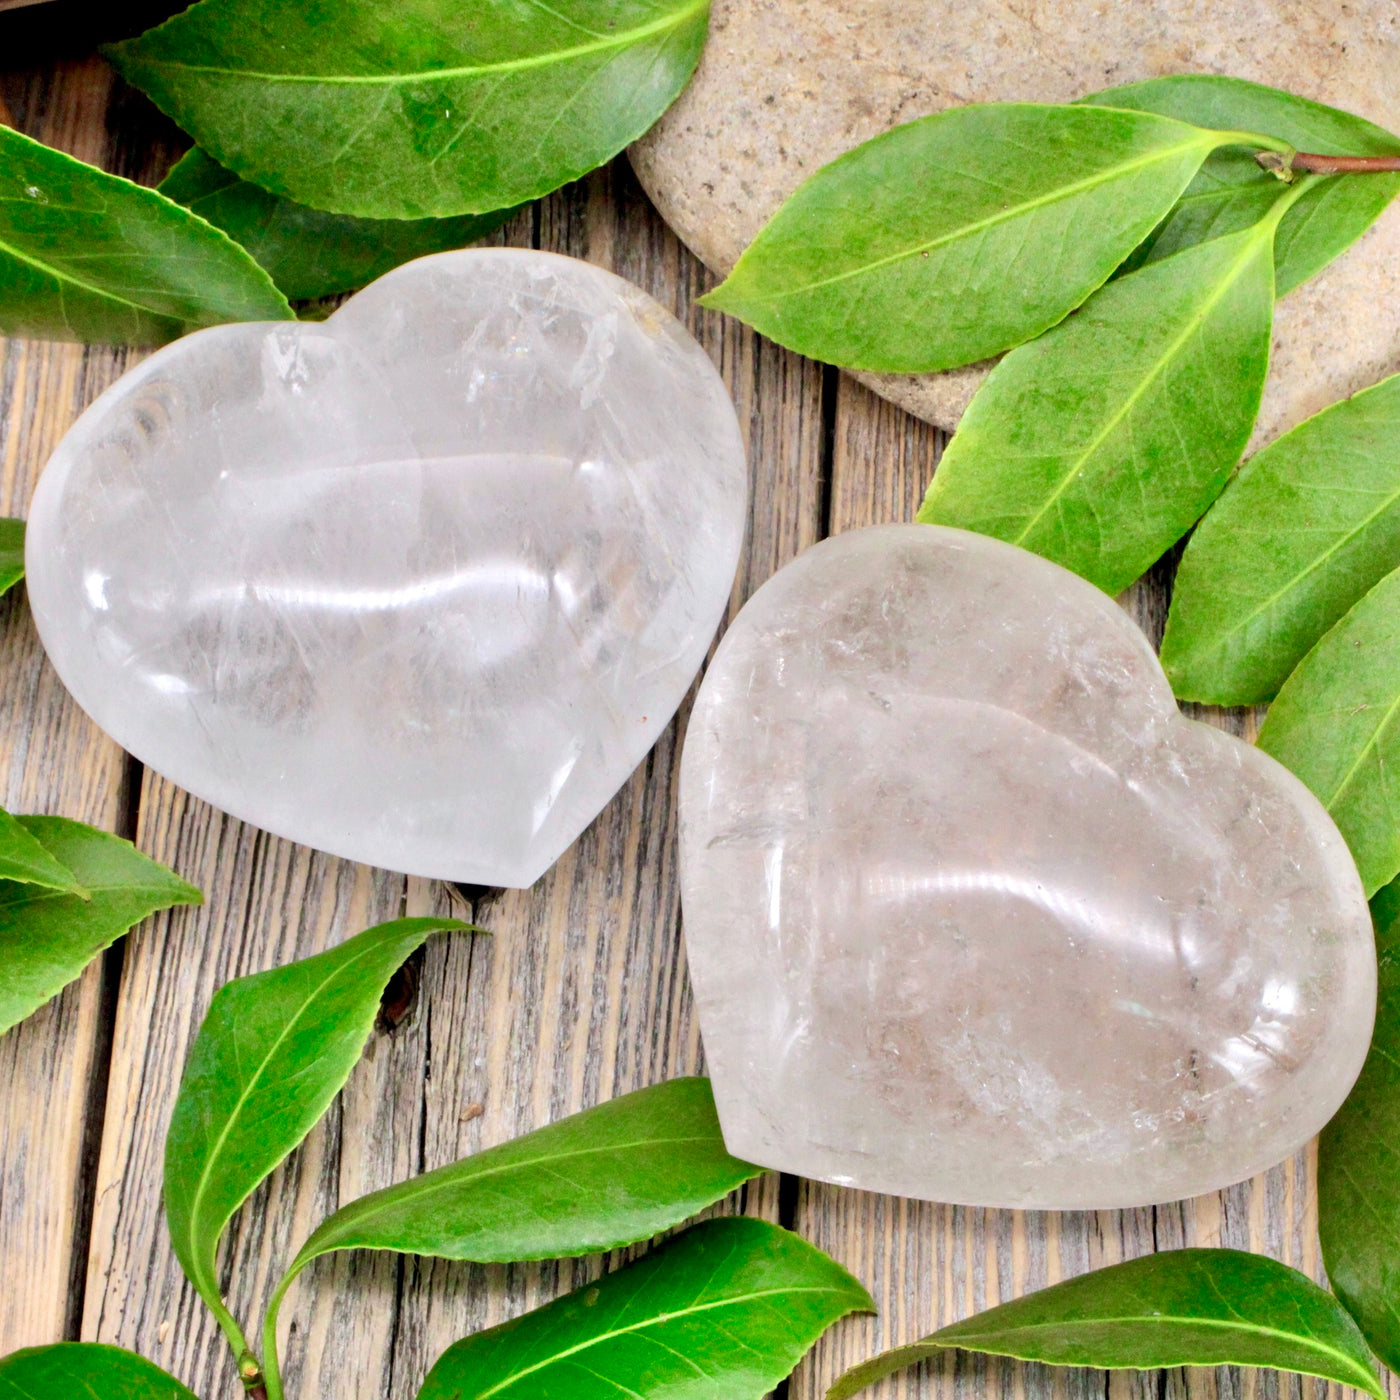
{"x": 611, "y": 1176}
{"x": 307, "y": 252}
{"x": 75, "y": 1370}
{"x": 1231, "y": 192}
{"x": 1309, "y": 524}
{"x": 421, "y": 109}
{"x": 1100, "y": 444}
{"x": 722, "y": 1312}
{"x": 24, "y": 861}
{"x": 89, "y": 256}
{"x": 11, "y": 553}
{"x": 1336, "y": 724}
{"x": 48, "y": 936}
{"x": 960, "y": 235}
{"x": 1358, "y": 1187}
{"x": 1187, "y": 1307}
{"x": 274, "y": 1050}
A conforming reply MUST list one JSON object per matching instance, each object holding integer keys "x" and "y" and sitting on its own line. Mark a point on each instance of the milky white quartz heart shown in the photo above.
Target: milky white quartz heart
{"x": 974, "y": 915}
{"x": 419, "y": 585}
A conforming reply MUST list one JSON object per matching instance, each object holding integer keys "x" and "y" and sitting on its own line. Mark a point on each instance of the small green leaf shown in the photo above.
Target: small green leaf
{"x": 960, "y": 235}
{"x": 1232, "y": 192}
{"x": 274, "y": 1050}
{"x": 1358, "y": 1189}
{"x": 89, "y": 256}
{"x": 11, "y": 553}
{"x": 421, "y": 109}
{"x": 25, "y": 862}
{"x": 608, "y": 1177}
{"x": 1100, "y": 444}
{"x": 1187, "y": 1307}
{"x": 71, "y": 1370}
{"x": 722, "y": 1312}
{"x": 48, "y": 936}
{"x": 307, "y": 252}
{"x": 1311, "y": 522}
{"x": 1334, "y": 724}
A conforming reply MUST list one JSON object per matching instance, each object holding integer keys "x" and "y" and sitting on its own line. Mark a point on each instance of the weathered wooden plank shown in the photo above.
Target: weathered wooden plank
{"x": 928, "y": 1265}
{"x": 53, "y": 759}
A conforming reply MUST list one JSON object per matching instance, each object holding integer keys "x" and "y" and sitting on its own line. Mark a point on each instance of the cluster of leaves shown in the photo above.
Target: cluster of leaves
{"x": 330, "y": 148}
{"x": 726, "y": 1308}
{"x": 723, "y": 1311}
{"x": 1126, "y": 253}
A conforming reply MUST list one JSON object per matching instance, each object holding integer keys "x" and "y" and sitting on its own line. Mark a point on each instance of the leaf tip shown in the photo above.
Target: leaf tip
{"x": 722, "y": 297}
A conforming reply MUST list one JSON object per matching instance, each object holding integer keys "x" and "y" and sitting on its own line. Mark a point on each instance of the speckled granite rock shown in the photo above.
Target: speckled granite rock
{"x": 787, "y": 85}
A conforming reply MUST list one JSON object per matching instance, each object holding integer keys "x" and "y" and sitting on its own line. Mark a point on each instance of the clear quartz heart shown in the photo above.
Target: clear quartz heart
{"x": 975, "y": 915}
{"x": 419, "y": 585}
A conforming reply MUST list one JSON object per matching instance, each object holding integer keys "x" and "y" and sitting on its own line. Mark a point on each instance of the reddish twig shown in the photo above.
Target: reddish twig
{"x": 1315, "y": 164}
{"x": 1343, "y": 165}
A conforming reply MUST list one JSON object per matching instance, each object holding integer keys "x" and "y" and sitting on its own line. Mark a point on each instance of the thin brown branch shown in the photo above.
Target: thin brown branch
{"x": 1314, "y": 164}
{"x": 1343, "y": 165}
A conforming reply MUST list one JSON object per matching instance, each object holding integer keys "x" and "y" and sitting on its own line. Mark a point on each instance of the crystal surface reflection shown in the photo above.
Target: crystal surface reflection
{"x": 419, "y": 585}
{"x": 974, "y": 915}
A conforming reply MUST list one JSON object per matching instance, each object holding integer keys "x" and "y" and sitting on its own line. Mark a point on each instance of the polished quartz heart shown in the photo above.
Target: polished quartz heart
{"x": 419, "y": 585}
{"x": 974, "y": 915}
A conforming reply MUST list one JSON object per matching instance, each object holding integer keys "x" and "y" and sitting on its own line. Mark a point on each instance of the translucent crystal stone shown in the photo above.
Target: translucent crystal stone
{"x": 974, "y": 915}
{"x": 419, "y": 585}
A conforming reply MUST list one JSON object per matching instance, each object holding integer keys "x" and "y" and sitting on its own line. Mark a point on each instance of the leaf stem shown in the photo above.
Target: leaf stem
{"x": 272, "y": 1374}
{"x": 1285, "y": 201}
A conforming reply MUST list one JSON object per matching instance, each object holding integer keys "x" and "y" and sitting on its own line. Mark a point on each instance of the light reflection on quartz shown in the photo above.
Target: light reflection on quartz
{"x": 1082, "y": 911}
{"x": 490, "y": 581}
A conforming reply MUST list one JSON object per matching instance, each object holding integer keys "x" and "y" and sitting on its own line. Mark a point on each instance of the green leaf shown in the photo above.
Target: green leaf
{"x": 1100, "y": 444}
{"x": 89, "y": 256}
{"x": 48, "y": 936}
{"x": 421, "y": 109}
{"x": 1311, "y": 522}
{"x": 1334, "y": 725}
{"x": 307, "y": 252}
{"x": 722, "y": 1312}
{"x": 24, "y": 861}
{"x": 608, "y": 1177}
{"x": 71, "y": 1370}
{"x": 960, "y": 235}
{"x": 1187, "y": 1307}
{"x": 274, "y": 1050}
{"x": 1358, "y": 1189}
{"x": 11, "y": 553}
{"x": 1231, "y": 192}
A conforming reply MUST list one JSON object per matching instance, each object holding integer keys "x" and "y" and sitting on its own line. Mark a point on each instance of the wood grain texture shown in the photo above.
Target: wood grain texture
{"x": 53, "y": 760}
